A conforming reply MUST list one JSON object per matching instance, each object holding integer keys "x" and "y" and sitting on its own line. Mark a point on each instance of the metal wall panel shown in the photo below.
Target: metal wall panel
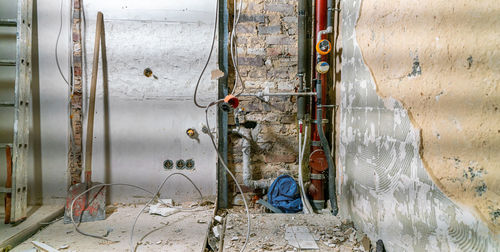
{"x": 149, "y": 116}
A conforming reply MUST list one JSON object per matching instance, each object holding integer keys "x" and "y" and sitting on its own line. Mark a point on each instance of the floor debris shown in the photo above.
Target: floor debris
{"x": 44, "y": 247}
{"x": 216, "y": 231}
{"x": 181, "y": 229}
{"x": 270, "y": 232}
{"x": 162, "y": 210}
{"x": 65, "y": 246}
{"x": 169, "y": 202}
{"x": 300, "y": 237}
{"x": 218, "y": 218}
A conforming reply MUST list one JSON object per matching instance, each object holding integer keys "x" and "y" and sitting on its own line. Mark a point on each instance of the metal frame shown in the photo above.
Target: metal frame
{"x": 222, "y": 117}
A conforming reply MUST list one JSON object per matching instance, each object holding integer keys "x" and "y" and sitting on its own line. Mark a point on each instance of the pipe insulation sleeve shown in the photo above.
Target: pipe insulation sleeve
{"x": 326, "y": 149}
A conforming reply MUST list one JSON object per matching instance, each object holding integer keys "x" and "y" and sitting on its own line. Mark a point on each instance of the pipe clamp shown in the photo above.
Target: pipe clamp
{"x": 316, "y": 176}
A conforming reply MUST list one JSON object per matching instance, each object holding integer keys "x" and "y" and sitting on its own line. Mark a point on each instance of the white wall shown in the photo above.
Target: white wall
{"x": 148, "y": 117}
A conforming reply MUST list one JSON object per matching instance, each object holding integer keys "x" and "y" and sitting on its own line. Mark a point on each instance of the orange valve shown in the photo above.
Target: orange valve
{"x": 232, "y": 100}
{"x": 323, "y": 47}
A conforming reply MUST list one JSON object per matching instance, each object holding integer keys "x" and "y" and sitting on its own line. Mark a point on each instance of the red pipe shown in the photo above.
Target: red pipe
{"x": 317, "y": 160}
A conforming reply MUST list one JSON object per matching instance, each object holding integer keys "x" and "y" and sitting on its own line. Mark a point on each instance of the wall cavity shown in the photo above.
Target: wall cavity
{"x": 384, "y": 186}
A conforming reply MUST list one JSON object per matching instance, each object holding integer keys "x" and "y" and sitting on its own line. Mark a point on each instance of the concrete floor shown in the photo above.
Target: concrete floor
{"x": 11, "y": 235}
{"x": 182, "y": 231}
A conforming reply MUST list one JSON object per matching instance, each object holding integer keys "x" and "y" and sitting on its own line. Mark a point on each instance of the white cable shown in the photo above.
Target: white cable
{"x": 57, "y": 46}
{"x": 132, "y": 247}
{"x": 88, "y": 190}
{"x": 234, "y": 47}
{"x": 209, "y": 56}
{"x": 306, "y": 211}
{"x": 302, "y": 146}
{"x": 230, "y": 173}
{"x": 123, "y": 184}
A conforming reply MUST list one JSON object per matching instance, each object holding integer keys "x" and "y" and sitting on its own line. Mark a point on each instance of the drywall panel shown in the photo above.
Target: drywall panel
{"x": 384, "y": 185}
{"x": 53, "y": 92}
{"x": 141, "y": 121}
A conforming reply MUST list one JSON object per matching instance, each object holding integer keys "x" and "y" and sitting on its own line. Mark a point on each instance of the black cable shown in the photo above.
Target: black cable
{"x": 230, "y": 173}
{"x": 209, "y": 57}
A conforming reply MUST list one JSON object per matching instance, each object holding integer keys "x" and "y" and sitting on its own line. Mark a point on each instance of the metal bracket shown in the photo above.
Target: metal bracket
{"x": 323, "y": 121}
{"x": 316, "y": 176}
{"x": 316, "y": 143}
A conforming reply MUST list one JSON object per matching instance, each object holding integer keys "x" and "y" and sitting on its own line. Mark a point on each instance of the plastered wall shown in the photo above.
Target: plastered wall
{"x": 448, "y": 81}
{"x": 418, "y": 123}
{"x": 141, "y": 121}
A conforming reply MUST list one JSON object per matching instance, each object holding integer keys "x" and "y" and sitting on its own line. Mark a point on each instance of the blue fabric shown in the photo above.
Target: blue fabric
{"x": 284, "y": 194}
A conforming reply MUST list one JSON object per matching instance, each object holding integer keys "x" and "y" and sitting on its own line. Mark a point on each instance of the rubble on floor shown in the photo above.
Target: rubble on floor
{"x": 268, "y": 233}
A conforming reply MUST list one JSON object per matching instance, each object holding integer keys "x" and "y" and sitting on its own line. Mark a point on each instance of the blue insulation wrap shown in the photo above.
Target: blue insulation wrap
{"x": 284, "y": 194}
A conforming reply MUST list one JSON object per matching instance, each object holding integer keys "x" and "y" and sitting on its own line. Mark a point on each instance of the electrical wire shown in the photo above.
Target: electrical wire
{"x": 154, "y": 195}
{"x": 88, "y": 190}
{"x": 132, "y": 247}
{"x": 57, "y": 46}
{"x": 234, "y": 48}
{"x": 209, "y": 132}
{"x": 209, "y": 57}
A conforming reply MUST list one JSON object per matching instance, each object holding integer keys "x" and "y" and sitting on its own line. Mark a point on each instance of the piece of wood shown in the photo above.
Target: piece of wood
{"x": 18, "y": 234}
{"x": 91, "y": 111}
{"x": 8, "y": 184}
{"x": 44, "y": 247}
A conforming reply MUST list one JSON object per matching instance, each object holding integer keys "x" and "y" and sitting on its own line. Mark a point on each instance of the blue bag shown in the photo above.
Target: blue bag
{"x": 284, "y": 194}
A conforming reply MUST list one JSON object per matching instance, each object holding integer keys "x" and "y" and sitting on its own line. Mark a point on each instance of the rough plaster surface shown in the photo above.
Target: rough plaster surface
{"x": 451, "y": 94}
{"x": 384, "y": 186}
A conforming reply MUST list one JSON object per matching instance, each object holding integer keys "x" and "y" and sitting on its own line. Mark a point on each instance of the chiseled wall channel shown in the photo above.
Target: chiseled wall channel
{"x": 395, "y": 181}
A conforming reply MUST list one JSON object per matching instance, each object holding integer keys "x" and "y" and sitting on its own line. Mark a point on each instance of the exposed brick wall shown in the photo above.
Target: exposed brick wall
{"x": 267, "y": 47}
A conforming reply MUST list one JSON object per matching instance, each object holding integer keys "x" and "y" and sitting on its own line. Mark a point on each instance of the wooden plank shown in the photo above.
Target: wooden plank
{"x": 5, "y": 190}
{"x": 5, "y": 145}
{"x": 15, "y": 235}
{"x": 44, "y": 247}
{"x": 6, "y": 104}
{"x": 8, "y": 22}
{"x": 7, "y": 63}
